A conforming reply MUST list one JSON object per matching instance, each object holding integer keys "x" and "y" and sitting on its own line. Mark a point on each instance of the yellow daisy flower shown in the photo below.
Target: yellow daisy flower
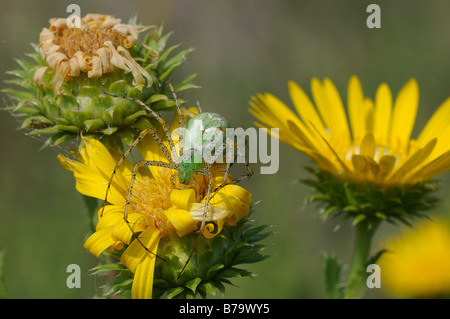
{"x": 417, "y": 263}
{"x": 376, "y": 146}
{"x": 370, "y": 169}
{"x": 157, "y": 209}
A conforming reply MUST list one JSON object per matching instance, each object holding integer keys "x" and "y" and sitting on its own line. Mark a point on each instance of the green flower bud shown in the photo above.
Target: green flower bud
{"x": 61, "y": 93}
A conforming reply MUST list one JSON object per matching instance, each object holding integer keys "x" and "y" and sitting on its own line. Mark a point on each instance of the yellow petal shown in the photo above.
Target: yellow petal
{"x": 212, "y": 213}
{"x": 368, "y": 146}
{"x": 368, "y": 109}
{"x": 386, "y": 163}
{"x": 302, "y": 136}
{"x": 110, "y": 216}
{"x": 323, "y": 162}
{"x": 304, "y": 107}
{"x": 212, "y": 230}
{"x": 404, "y": 116}
{"x": 101, "y": 159}
{"x": 438, "y": 122}
{"x": 244, "y": 197}
{"x": 382, "y": 114}
{"x": 99, "y": 241}
{"x": 356, "y": 110}
{"x": 435, "y": 167}
{"x": 123, "y": 232}
{"x": 218, "y": 172}
{"x": 442, "y": 144}
{"x": 90, "y": 182}
{"x": 438, "y": 126}
{"x": 331, "y": 109}
{"x": 365, "y": 167}
{"x": 143, "y": 278}
{"x": 151, "y": 151}
{"x": 135, "y": 252}
{"x": 181, "y": 220}
{"x": 414, "y": 162}
{"x": 182, "y": 198}
{"x": 265, "y": 108}
{"x": 335, "y": 154}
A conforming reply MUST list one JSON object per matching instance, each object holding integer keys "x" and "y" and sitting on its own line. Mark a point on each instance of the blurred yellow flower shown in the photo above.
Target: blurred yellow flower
{"x": 376, "y": 146}
{"x": 417, "y": 263}
{"x": 156, "y": 210}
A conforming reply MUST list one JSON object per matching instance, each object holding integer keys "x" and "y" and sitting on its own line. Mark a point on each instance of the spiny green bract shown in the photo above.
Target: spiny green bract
{"x": 369, "y": 203}
{"x": 83, "y": 108}
{"x": 215, "y": 263}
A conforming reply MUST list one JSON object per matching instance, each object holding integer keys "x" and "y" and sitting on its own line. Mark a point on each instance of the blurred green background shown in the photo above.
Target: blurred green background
{"x": 241, "y": 48}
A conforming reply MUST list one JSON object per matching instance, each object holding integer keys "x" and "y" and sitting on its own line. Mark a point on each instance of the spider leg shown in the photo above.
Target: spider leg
{"x": 208, "y": 195}
{"x": 129, "y": 150}
{"x": 208, "y": 174}
{"x": 157, "y": 117}
{"x": 130, "y": 190}
{"x": 181, "y": 119}
{"x": 227, "y": 173}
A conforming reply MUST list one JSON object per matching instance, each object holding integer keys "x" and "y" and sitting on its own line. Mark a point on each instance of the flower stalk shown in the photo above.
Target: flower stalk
{"x": 357, "y": 279}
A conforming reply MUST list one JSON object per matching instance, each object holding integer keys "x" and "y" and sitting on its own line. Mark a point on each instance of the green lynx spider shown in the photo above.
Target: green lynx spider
{"x": 187, "y": 164}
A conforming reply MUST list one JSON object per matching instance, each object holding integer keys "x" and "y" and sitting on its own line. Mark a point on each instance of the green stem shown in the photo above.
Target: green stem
{"x": 356, "y": 284}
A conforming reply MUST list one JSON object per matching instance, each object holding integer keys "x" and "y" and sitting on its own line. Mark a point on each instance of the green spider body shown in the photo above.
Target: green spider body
{"x": 199, "y": 132}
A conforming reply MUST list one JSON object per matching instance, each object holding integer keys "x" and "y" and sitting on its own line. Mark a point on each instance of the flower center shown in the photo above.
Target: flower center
{"x": 72, "y": 40}
{"x": 151, "y": 197}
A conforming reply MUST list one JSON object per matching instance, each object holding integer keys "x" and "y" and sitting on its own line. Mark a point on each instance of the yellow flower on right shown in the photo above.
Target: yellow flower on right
{"x": 374, "y": 144}
{"x": 417, "y": 263}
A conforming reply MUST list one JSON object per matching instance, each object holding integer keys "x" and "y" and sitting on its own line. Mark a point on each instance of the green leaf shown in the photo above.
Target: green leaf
{"x": 131, "y": 118}
{"x": 24, "y": 64}
{"x": 220, "y": 286}
{"x": 119, "y": 88}
{"x": 68, "y": 128}
{"x": 160, "y": 283}
{"x": 381, "y": 215}
{"x": 332, "y": 274}
{"x": 173, "y": 63}
{"x": 93, "y": 125}
{"x": 19, "y": 95}
{"x": 48, "y": 130}
{"x": 324, "y": 213}
{"x": 359, "y": 218}
{"x": 192, "y": 284}
{"x": 187, "y": 80}
{"x": 258, "y": 237}
{"x": 107, "y": 267}
{"x": 36, "y": 122}
{"x": 109, "y": 130}
{"x": 373, "y": 259}
{"x": 213, "y": 270}
{"x": 187, "y": 86}
{"x": 171, "y": 293}
{"x": 156, "y": 97}
{"x": 62, "y": 139}
{"x": 166, "y": 53}
{"x": 208, "y": 288}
